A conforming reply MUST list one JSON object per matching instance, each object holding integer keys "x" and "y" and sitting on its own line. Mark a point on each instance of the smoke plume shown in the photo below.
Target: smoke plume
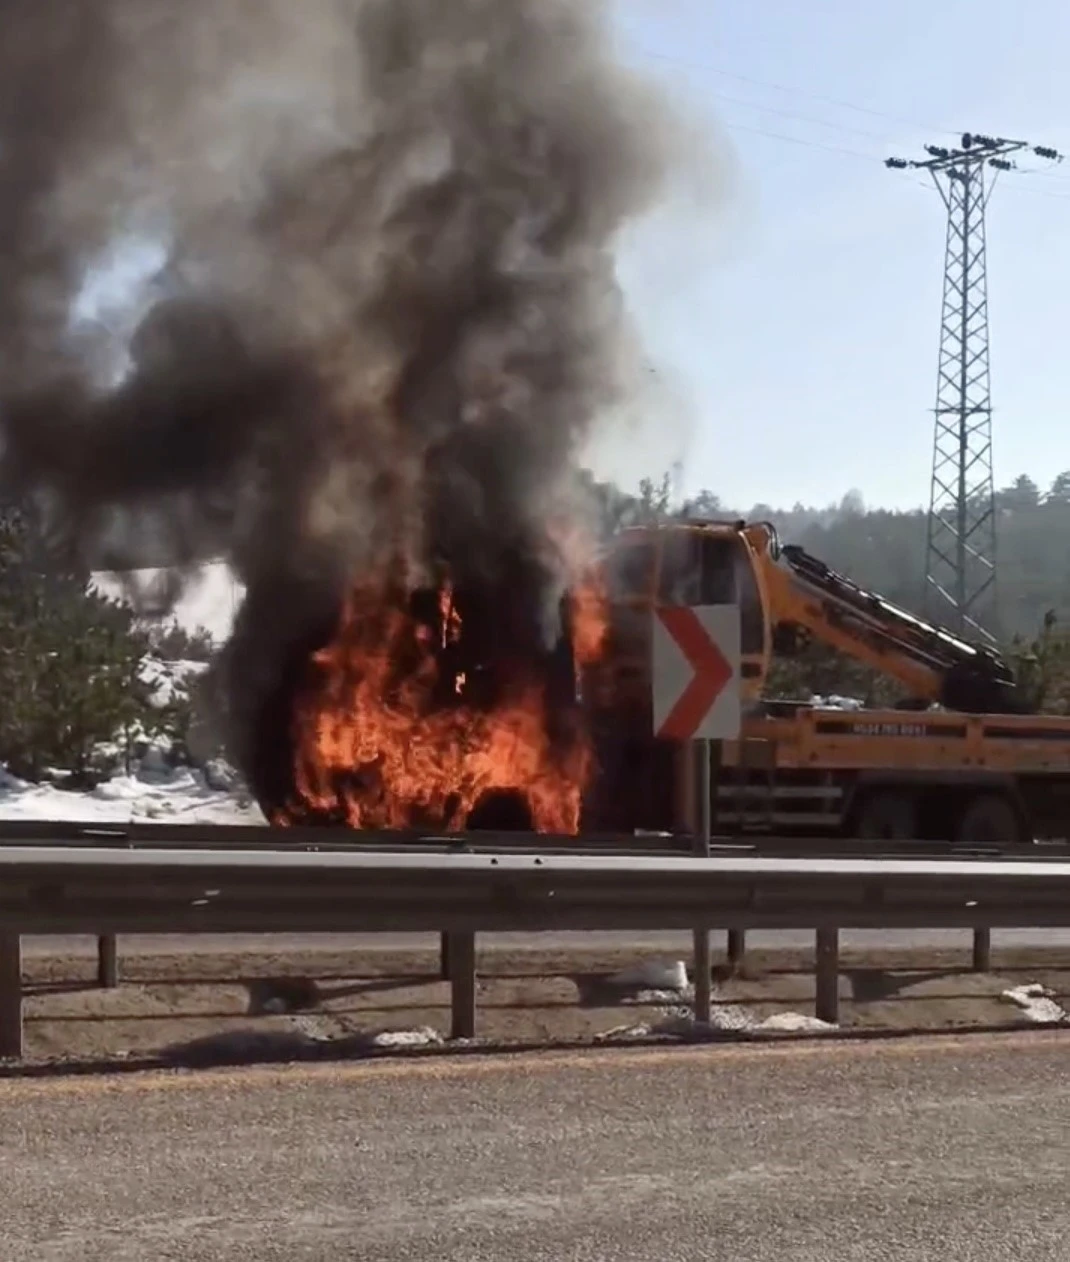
{"x": 388, "y": 315}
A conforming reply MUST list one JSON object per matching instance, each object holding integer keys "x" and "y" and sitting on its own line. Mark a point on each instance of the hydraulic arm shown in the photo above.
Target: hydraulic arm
{"x": 931, "y": 663}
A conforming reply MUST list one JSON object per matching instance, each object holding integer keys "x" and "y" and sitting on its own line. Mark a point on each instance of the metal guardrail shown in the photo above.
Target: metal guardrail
{"x": 76, "y": 890}
{"x": 113, "y": 889}
{"x": 261, "y": 837}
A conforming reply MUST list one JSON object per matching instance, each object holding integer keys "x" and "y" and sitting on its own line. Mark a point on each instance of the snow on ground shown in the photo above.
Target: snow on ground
{"x": 667, "y": 983}
{"x": 152, "y": 790}
{"x": 166, "y": 796}
{"x": 724, "y": 1019}
{"x": 1037, "y": 1003}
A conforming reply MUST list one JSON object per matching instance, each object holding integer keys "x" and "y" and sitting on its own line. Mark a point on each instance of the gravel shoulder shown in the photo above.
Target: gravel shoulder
{"x": 169, "y": 1001}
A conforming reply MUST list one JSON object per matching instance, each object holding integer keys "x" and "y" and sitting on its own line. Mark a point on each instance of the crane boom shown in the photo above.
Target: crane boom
{"x": 929, "y": 661}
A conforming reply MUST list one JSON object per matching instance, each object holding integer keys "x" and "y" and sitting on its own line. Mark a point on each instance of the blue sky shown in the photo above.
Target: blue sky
{"x": 800, "y": 332}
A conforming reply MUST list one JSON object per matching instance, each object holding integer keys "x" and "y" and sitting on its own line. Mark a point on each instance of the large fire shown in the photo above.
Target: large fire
{"x": 410, "y": 718}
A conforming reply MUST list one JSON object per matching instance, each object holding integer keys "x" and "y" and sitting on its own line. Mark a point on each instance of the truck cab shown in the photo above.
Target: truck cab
{"x": 693, "y": 563}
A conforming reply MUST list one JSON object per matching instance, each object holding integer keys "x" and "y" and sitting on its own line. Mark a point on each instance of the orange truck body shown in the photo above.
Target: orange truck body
{"x": 963, "y": 760}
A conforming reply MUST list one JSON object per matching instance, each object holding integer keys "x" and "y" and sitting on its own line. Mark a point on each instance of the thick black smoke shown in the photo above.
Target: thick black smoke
{"x": 388, "y": 314}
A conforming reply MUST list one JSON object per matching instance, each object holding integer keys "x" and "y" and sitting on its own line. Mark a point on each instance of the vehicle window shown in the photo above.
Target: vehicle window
{"x": 630, "y": 571}
{"x": 719, "y": 557}
{"x": 679, "y": 582}
{"x": 727, "y": 577}
{"x": 751, "y": 614}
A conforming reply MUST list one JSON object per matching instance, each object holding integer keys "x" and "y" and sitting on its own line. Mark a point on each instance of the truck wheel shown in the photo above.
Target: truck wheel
{"x": 887, "y": 816}
{"x": 989, "y": 818}
{"x": 501, "y": 810}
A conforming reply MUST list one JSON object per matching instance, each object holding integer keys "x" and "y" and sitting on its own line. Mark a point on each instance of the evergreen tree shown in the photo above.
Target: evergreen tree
{"x": 69, "y": 660}
{"x": 174, "y": 643}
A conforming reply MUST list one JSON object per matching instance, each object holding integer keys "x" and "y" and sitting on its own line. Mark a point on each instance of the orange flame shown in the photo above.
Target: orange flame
{"x": 590, "y": 623}
{"x": 588, "y": 596}
{"x": 375, "y": 745}
{"x": 451, "y": 619}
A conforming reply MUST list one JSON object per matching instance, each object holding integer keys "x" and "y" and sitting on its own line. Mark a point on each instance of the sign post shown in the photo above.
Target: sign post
{"x": 703, "y": 966}
{"x": 696, "y": 678}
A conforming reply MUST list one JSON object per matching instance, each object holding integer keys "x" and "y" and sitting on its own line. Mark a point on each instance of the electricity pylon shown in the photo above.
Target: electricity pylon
{"x": 960, "y": 550}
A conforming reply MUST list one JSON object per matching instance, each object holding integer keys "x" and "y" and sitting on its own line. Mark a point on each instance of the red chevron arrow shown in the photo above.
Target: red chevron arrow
{"x": 712, "y": 671}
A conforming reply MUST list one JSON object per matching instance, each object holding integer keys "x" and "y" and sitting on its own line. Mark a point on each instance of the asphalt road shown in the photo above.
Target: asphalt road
{"x": 864, "y": 939}
{"x": 954, "y": 1148}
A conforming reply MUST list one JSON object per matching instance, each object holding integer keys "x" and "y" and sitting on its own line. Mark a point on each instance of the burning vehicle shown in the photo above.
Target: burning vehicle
{"x": 329, "y": 291}
{"x": 431, "y": 707}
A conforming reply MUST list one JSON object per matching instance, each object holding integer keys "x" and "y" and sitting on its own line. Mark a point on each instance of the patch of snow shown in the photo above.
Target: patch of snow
{"x": 729, "y": 1018}
{"x": 422, "y": 1037}
{"x": 638, "y": 1031}
{"x": 311, "y": 1028}
{"x": 169, "y": 680}
{"x": 306, "y": 1038}
{"x": 1037, "y": 1002}
{"x": 221, "y": 776}
{"x": 795, "y": 1023}
{"x": 651, "y": 998}
{"x": 151, "y": 787}
{"x": 152, "y": 792}
{"x": 724, "y": 1019}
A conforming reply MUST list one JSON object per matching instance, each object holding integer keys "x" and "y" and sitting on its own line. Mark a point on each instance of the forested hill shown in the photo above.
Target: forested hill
{"x": 885, "y": 551}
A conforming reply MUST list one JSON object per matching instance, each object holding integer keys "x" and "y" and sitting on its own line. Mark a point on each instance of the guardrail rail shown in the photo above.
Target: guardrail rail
{"x": 105, "y": 881}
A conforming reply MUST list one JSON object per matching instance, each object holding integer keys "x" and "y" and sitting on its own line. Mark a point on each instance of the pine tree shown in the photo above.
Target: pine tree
{"x": 69, "y": 660}
{"x": 174, "y": 642}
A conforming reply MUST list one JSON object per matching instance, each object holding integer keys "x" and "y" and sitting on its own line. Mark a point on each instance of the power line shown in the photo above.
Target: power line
{"x": 696, "y": 64}
{"x": 799, "y": 140}
{"x": 801, "y": 118}
{"x": 810, "y": 143}
{"x": 834, "y": 126}
{"x": 1041, "y": 192}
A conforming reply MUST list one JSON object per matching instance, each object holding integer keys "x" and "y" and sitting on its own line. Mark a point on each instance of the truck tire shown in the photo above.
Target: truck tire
{"x": 887, "y": 815}
{"x": 501, "y": 810}
{"x": 989, "y": 818}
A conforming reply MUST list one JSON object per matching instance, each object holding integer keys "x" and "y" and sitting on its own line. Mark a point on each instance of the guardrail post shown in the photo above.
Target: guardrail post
{"x": 444, "y": 956}
{"x": 107, "y": 961}
{"x": 982, "y": 950}
{"x": 827, "y": 976}
{"x": 702, "y": 963}
{"x": 737, "y": 946}
{"x": 461, "y": 952}
{"x": 10, "y": 996}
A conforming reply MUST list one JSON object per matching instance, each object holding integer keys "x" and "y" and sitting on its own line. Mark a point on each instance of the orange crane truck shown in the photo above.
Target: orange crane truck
{"x": 960, "y": 759}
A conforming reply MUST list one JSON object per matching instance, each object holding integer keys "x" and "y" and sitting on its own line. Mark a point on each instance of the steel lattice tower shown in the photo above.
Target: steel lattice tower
{"x": 960, "y": 550}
